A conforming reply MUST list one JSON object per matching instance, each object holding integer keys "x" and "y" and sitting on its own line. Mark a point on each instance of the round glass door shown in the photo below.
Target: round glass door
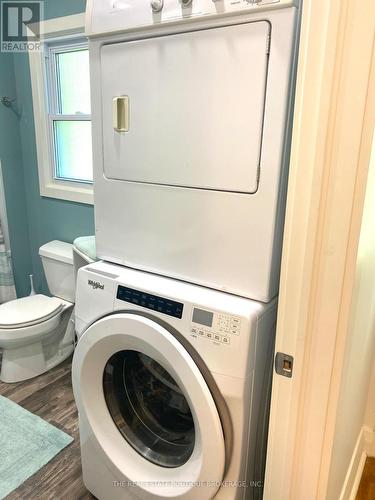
{"x": 149, "y": 408}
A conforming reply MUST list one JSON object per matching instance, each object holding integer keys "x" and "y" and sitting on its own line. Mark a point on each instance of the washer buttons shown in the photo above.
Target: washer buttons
{"x": 218, "y": 336}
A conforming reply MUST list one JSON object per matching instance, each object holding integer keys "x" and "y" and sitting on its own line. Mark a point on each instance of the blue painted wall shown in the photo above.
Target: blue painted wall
{"x": 59, "y": 8}
{"x": 44, "y": 219}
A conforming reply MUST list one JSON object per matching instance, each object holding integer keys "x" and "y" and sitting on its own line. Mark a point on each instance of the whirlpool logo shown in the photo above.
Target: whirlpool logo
{"x": 96, "y": 285}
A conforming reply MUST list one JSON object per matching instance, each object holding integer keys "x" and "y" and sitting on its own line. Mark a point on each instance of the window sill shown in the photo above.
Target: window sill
{"x": 62, "y": 190}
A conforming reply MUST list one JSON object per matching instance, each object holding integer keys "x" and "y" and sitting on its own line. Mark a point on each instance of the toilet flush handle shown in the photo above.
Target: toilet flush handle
{"x": 120, "y": 112}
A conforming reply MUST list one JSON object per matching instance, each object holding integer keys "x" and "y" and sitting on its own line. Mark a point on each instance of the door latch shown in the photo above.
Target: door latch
{"x": 284, "y": 364}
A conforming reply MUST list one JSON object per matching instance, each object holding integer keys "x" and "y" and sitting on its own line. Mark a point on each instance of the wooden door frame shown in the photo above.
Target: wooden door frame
{"x": 329, "y": 163}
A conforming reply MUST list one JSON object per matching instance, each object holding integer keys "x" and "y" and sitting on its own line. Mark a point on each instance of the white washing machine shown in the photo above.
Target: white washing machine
{"x": 172, "y": 384}
{"x": 191, "y": 110}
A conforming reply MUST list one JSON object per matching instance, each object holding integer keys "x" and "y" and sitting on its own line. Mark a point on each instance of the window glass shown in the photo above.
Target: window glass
{"x": 149, "y": 408}
{"x": 73, "y": 82}
{"x": 73, "y": 154}
{"x": 68, "y": 79}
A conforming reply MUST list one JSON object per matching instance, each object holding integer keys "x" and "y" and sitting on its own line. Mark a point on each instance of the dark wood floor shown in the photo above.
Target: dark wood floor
{"x": 51, "y": 397}
{"x": 366, "y": 489}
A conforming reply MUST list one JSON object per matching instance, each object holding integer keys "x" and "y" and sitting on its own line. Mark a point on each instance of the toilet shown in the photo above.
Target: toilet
{"x": 37, "y": 332}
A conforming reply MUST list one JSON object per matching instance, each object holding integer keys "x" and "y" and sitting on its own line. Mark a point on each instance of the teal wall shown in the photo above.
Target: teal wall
{"x": 42, "y": 219}
{"x": 59, "y": 8}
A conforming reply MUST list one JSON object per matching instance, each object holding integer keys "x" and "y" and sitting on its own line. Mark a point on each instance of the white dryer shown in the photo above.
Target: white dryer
{"x": 191, "y": 109}
{"x": 172, "y": 384}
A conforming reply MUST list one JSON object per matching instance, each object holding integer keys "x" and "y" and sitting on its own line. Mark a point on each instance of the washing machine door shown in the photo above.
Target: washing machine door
{"x": 149, "y": 408}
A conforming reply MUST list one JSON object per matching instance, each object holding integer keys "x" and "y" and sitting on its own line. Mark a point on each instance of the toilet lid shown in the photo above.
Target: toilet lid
{"x": 28, "y": 311}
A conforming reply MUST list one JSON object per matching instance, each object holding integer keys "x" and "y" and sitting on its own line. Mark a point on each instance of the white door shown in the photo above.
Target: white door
{"x": 149, "y": 408}
{"x": 195, "y": 106}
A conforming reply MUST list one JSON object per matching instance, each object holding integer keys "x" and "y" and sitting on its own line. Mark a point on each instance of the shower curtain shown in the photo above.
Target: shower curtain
{"x": 7, "y": 288}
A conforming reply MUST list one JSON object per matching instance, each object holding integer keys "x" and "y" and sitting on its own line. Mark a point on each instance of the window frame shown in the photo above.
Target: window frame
{"x": 66, "y": 30}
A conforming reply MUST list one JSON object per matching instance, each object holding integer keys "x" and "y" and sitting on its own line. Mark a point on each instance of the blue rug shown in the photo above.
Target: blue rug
{"x": 27, "y": 442}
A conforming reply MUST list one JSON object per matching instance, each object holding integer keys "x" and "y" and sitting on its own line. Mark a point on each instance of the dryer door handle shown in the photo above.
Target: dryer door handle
{"x": 120, "y": 113}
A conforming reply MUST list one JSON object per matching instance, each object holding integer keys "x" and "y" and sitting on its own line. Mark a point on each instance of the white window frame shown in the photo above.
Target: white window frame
{"x": 54, "y": 30}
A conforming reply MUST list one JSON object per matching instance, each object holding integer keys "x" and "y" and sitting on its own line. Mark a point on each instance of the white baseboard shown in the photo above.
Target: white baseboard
{"x": 365, "y": 446}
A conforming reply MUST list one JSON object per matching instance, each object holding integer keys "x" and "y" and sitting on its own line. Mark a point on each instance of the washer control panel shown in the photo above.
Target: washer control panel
{"x": 214, "y": 326}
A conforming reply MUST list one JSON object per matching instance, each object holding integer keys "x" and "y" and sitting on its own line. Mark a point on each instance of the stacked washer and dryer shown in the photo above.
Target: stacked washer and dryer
{"x": 192, "y": 103}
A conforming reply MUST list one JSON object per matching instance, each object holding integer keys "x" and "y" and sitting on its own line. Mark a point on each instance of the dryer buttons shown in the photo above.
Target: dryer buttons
{"x": 157, "y": 5}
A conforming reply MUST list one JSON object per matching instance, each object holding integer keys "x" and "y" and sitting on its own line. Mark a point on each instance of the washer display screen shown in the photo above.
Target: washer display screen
{"x": 202, "y": 317}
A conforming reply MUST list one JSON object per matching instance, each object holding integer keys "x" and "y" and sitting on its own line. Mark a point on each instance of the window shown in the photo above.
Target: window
{"x": 62, "y": 111}
{"x": 67, "y": 72}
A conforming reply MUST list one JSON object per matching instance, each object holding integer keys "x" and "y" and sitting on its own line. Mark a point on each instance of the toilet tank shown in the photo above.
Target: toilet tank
{"x": 57, "y": 260}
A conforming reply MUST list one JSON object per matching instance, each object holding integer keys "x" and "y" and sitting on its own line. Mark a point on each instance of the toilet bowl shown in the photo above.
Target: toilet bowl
{"x": 37, "y": 332}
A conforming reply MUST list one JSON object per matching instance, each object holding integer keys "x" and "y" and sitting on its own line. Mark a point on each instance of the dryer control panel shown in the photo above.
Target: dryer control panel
{"x": 113, "y": 16}
{"x": 214, "y": 326}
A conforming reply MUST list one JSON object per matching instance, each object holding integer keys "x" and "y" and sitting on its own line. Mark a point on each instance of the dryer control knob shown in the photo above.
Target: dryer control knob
{"x": 157, "y": 5}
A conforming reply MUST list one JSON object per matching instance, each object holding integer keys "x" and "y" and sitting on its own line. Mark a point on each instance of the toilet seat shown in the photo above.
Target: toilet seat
{"x": 29, "y": 311}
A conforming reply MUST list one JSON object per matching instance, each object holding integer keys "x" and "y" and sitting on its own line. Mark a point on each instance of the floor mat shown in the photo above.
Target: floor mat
{"x": 27, "y": 442}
